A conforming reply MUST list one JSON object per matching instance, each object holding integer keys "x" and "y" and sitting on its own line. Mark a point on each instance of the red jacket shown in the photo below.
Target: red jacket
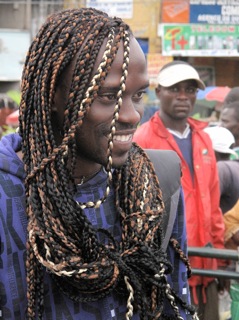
{"x": 204, "y": 217}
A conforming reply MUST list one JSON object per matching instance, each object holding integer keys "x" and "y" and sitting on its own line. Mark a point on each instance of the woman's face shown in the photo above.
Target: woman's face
{"x": 93, "y": 135}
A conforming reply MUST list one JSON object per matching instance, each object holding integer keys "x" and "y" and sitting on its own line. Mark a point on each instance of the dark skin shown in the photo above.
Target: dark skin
{"x": 176, "y": 103}
{"x": 92, "y": 136}
{"x": 222, "y": 156}
{"x": 228, "y": 119}
{"x": 235, "y": 238}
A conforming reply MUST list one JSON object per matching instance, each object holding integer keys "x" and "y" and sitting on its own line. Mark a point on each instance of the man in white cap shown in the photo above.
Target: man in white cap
{"x": 228, "y": 170}
{"x": 172, "y": 128}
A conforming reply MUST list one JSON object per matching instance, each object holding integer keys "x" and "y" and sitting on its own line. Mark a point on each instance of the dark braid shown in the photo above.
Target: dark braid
{"x": 60, "y": 237}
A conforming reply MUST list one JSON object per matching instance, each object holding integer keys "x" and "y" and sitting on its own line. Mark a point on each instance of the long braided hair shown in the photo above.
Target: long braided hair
{"x": 60, "y": 237}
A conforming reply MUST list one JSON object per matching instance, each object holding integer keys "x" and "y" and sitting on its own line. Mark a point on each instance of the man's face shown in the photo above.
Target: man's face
{"x": 229, "y": 120}
{"x": 177, "y": 101}
{"x": 93, "y": 136}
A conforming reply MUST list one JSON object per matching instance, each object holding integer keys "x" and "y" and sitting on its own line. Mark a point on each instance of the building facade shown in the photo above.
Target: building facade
{"x": 204, "y": 33}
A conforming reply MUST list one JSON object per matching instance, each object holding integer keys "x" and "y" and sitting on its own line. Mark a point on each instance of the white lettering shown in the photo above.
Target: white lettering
{"x": 208, "y": 2}
{"x": 204, "y": 2}
{"x": 227, "y": 2}
{"x": 230, "y": 10}
{"x": 235, "y": 19}
{"x": 215, "y": 2}
{"x": 209, "y": 18}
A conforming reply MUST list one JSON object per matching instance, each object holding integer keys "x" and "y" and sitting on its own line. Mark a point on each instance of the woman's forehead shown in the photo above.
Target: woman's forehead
{"x": 134, "y": 53}
{"x": 136, "y": 57}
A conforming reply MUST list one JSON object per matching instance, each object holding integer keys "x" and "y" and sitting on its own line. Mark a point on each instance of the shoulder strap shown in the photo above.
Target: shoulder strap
{"x": 167, "y": 167}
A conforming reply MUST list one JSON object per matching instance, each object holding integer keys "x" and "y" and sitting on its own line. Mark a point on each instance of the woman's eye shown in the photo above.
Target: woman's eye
{"x": 107, "y": 96}
{"x": 139, "y": 95}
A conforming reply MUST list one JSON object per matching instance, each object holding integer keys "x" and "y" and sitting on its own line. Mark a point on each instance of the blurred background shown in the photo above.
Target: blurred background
{"x": 206, "y": 35}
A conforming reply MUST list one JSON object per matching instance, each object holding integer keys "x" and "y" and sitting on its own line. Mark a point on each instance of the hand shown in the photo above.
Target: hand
{"x": 235, "y": 238}
{"x": 223, "y": 284}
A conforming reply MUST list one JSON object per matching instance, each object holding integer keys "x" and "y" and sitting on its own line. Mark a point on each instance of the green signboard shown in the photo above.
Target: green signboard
{"x": 199, "y": 40}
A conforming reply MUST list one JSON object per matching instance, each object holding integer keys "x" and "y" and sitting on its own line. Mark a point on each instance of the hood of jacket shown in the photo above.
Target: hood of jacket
{"x": 196, "y": 124}
{"x": 9, "y": 161}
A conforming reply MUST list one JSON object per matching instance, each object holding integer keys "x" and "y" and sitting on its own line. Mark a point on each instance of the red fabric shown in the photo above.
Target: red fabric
{"x": 204, "y": 217}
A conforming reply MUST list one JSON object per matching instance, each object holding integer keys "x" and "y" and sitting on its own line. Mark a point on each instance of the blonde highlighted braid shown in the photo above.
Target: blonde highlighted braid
{"x": 60, "y": 237}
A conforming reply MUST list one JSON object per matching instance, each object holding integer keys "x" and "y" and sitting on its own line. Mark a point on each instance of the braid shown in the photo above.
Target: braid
{"x": 60, "y": 237}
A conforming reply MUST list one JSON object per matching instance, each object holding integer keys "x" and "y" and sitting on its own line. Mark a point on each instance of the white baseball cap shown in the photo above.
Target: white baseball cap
{"x": 222, "y": 139}
{"x": 174, "y": 73}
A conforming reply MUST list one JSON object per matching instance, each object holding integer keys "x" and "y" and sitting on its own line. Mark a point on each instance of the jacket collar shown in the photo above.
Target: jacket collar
{"x": 195, "y": 125}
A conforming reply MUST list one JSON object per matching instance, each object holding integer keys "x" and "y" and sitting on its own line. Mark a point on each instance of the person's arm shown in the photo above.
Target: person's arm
{"x": 217, "y": 223}
{"x": 228, "y": 189}
{"x": 231, "y": 219}
{"x": 178, "y": 280}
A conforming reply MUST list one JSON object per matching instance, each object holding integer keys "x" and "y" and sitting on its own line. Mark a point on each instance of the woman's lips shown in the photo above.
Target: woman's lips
{"x": 123, "y": 138}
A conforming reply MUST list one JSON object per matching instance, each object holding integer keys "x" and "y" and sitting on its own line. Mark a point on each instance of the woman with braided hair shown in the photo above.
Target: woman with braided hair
{"x": 75, "y": 189}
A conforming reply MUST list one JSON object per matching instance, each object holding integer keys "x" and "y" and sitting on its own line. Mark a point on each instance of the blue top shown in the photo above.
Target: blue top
{"x": 185, "y": 145}
{"x": 13, "y": 225}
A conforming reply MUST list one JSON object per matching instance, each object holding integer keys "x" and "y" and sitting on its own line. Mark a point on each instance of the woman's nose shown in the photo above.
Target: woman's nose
{"x": 129, "y": 113}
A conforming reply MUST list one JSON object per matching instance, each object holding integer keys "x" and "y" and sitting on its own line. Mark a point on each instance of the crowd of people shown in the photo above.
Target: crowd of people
{"x": 172, "y": 128}
{"x": 210, "y": 173}
{"x": 82, "y": 209}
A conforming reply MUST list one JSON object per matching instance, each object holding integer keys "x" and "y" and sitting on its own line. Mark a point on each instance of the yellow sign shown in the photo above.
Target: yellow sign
{"x": 155, "y": 62}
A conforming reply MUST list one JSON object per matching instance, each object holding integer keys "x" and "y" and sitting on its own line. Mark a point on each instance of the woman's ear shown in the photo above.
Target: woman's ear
{"x": 60, "y": 100}
{"x": 58, "y": 107}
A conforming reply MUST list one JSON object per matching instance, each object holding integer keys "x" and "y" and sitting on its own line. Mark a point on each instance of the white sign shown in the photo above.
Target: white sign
{"x": 14, "y": 45}
{"x": 120, "y": 8}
